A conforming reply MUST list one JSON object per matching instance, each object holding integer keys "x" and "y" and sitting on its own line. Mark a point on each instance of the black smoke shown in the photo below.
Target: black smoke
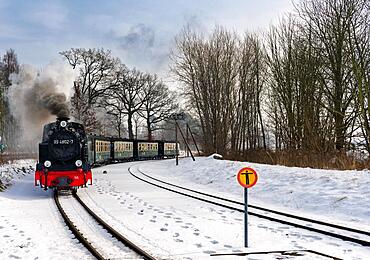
{"x": 39, "y": 97}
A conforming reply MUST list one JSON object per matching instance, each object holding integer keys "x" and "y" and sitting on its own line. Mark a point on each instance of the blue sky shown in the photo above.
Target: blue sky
{"x": 141, "y": 33}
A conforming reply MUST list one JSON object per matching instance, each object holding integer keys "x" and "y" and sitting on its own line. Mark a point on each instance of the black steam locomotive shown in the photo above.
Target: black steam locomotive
{"x": 63, "y": 157}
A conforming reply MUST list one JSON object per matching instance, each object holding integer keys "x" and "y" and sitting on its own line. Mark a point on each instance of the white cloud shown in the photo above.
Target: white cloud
{"x": 141, "y": 33}
{"x": 50, "y": 15}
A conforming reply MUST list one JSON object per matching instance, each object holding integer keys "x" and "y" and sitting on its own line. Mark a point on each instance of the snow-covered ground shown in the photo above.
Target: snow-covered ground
{"x": 171, "y": 226}
{"x": 30, "y": 225}
{"x": 341, "y": 196}
{"x": 14, "y": 170}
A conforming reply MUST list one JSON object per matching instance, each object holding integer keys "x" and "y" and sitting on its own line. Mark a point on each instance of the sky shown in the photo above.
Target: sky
{"x": 141, "y": 33}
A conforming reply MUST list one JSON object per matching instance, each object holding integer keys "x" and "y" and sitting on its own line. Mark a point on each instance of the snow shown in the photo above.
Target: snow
{"x": 335, "y": 196}
{"x": 324, "y": 194}
{"x": 17, "y": 170}
{"x": 99, "y": 238}
{"x": 171, "y": 226}
{"x": 30, "y": 225}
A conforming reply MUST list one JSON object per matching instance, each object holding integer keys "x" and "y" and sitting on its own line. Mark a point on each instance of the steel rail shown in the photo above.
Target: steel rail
{"x": 113, "y": 232}
{"x": 75, "y": 231}
{"x": 323, "y": 223}
{"x": 324, "y": 232}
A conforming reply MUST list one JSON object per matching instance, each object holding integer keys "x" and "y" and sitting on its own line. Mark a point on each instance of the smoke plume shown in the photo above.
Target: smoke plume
{"x": 38, "y": 97}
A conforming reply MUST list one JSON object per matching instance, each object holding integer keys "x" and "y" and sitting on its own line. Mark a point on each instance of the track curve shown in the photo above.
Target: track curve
{"x": 364, "y": 232}
{"x": 221, "y": 202}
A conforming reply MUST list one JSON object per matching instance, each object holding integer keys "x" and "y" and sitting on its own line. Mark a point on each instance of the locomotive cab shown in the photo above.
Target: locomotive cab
{"x": 63, "y": 155}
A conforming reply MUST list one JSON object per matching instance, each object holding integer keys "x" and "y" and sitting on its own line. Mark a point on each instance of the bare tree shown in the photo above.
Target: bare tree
{"x": 84, "y": 112}
{"x": 359, "y": 31}
{"x": 295, "y": 92}
{"x": 158, "y": 105}
{"x": 138, "y": 121}
{"x": 117, "y": 110}
{"x": 207, "y": 68}
{"x": 130, "y": 93}
{"x": 247, "y": 128}
{"x": 98, "y": 74}
{"x": 327, "y": 21}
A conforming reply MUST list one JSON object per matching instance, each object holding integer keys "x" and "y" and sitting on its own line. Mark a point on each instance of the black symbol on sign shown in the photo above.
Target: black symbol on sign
{"x": 247, "y": 177}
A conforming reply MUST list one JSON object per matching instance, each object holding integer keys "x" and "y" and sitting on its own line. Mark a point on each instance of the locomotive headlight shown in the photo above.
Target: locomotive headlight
{"x": 63, "y": 124}
{"x": 47, "y": 164}
{"x": 78, "y": 163}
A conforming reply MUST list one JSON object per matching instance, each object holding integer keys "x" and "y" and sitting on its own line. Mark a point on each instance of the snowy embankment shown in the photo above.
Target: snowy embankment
{"x": 332, "y": 195}
{"x": 14, "y": 171}
{"x": 30, "y": 224}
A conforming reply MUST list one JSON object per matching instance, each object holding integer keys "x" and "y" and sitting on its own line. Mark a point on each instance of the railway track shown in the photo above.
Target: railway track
{"x": 99, "y": 238}
{"x": 345, "y": 233}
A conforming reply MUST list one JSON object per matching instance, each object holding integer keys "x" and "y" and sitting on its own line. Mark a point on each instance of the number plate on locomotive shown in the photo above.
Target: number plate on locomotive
{"x": 65, "y": 141}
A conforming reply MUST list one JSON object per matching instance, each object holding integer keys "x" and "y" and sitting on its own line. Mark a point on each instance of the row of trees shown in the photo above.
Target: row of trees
{"x": 304, "y": 85}
{"x": 319, "y": 65}
{"x": 108, "y": 97}
{"x": 106, "y": 86}
{"x": 223, "y": 77}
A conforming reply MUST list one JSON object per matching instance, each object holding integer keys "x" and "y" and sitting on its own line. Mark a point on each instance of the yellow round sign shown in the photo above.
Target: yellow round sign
{"x": 247, "y": 177}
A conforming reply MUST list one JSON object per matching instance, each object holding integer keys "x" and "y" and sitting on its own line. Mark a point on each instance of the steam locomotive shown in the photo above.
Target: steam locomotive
{"x": 66, "y": 154}
{"x": 63, "y": 156}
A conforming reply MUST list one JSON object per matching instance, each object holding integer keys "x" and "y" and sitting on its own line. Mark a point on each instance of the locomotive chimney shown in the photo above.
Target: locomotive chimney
{"x": 63, "y": 119}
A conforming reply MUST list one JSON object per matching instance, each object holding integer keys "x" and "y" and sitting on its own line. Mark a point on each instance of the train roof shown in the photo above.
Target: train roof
{"x": 104, "y": 138}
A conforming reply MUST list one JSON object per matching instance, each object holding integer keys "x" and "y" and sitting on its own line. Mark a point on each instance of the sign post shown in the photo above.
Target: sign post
{"x": 177, "y": 145}
{"x": 247, "y": 178}
{"x": 245, "y": 217}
